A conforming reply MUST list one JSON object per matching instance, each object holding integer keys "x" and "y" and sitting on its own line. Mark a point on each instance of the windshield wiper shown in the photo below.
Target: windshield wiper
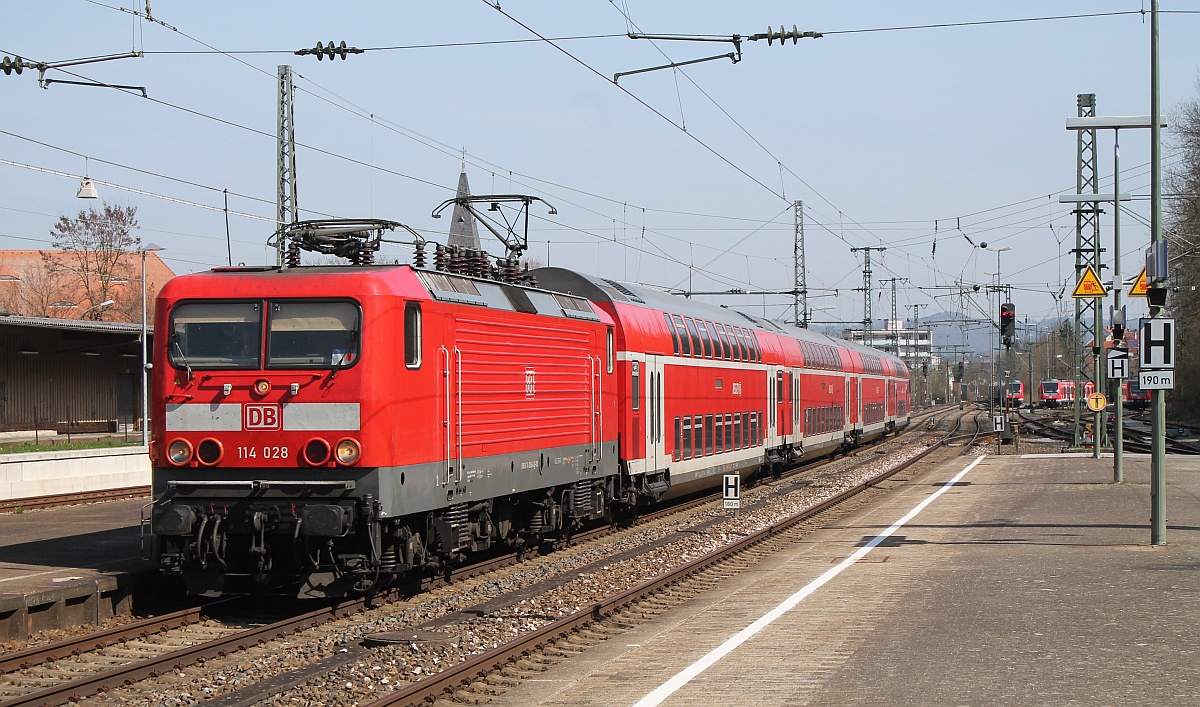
{"x": 187, "y": 366}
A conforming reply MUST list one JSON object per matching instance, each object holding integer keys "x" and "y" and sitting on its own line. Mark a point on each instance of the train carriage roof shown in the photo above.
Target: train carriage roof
{"x": 602, "y": 290}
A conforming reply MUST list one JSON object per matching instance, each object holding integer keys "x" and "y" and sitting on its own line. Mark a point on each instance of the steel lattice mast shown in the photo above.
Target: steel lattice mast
{"x": 287, "y": 211}
{"x": 800, "y": 280}
{"x": 1087, "y": 254}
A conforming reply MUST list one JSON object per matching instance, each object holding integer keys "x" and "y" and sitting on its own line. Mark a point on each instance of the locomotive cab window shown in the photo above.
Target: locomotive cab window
{"x": 216, "y": 335}
{"x": 312, "y": 334}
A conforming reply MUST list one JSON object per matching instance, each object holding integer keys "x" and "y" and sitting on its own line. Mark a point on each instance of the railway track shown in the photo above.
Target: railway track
{"x": 472, "y": 680}
{"x": 75, "y": 668}
{"x": 71, "y": 499}
{"x": 1136, "y": 439}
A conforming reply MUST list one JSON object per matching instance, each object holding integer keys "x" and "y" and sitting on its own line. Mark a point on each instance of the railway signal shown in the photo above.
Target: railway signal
{"x": 1008, "y": 323}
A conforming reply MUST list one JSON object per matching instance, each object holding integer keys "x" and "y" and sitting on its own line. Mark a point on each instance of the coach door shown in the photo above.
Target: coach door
{"x": 652, "y": 397}
{"x": 774, "y": 405}
{"x": 847, "y": 382}
{"x": 797, "y": 433}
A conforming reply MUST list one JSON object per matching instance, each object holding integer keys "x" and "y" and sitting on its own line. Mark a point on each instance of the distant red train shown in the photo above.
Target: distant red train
{"x": 1014, "y": 393}
{"x": 333, "y": 428}
{"x": 1053, "y": 393}
{"x": 1135, "y": 397}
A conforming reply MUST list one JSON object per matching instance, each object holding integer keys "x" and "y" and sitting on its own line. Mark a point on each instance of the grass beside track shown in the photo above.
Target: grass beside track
{"x": 23, "y": 447}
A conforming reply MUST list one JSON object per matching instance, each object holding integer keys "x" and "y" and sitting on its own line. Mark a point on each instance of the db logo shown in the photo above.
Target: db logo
{"x": 261, "y": 417}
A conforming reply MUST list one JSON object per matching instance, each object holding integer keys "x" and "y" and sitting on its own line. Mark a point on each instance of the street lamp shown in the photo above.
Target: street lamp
{"x": 105, "y": 303}
{"x": 147, "y": 248}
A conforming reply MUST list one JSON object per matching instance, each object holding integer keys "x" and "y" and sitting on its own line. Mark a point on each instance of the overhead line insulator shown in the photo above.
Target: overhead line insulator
{"x": 321, "y": 51}
{"x": 16, "y": 64}
{"x": 783, "y": 34}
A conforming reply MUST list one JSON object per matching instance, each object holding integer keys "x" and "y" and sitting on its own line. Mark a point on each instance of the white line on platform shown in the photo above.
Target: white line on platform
{"x": 687, "y": 674}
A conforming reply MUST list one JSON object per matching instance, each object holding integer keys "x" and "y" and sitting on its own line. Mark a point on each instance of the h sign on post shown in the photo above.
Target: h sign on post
{"x": 732, "y": 491}
{"x": 1118, "y": 364}
{"x": 1158, "y": 344}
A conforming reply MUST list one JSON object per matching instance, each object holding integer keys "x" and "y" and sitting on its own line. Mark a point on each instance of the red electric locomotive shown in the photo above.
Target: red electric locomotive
{"x": 336, "y": 425}
{"x": 332, "y": 428}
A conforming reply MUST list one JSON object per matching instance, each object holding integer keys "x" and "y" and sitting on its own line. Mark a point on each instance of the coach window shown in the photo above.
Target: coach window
{"x": 743, "y": 349}
{"x": 687, "y": 437}
{"x": 708, "y": 434}
{"x": 712, "y": 336}
{"x": 635, "y": 389}
{"x": 753, "y": 340}
{"x": 685, "y": 343}
{"x": 674, "y": 334}
{"x": 216, "y": 335}
{"x": 726, "y": 349}
{"x": 412, "y": 334}
{"x": 729, "y": 432}
{"x": 610, "y": 351}
{"x": 704, "y": 340}
{"x": 697, "y": 347}
{"x": 678, "y": 453}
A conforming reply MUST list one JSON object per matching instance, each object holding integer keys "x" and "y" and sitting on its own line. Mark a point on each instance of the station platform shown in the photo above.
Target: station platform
{"x": 1029, "y": 580}
{"x": 70, "y": 565}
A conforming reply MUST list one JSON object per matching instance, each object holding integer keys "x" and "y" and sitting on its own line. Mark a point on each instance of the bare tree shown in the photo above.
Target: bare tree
{"x": 39, "y": 293}
{"x": 1183, "y": 223}
{"x": 96, "y": 257}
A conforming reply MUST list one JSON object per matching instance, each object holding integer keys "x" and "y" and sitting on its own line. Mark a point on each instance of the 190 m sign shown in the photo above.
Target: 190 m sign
{"x": 1157, "y": 380}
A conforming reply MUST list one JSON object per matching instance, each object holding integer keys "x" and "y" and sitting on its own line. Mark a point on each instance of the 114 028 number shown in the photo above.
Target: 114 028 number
{"x": 264, "y": 452}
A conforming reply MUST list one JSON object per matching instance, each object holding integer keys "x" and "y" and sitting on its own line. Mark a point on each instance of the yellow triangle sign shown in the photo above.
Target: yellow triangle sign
{"x": 1139, "y": 288}
{"x": 1089, "y": 286}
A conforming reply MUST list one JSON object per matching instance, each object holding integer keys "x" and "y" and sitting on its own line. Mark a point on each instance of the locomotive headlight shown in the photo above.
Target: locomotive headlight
{"x": 262, "y": 386}
{"x": 179, "y": 452}
{"x": 316, "y": 452}
{"x": 347, "y": 451}
{"x": 209, "y": 452}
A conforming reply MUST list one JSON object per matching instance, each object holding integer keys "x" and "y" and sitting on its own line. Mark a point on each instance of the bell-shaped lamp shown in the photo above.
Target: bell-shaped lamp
{"x": 87, "y": 189}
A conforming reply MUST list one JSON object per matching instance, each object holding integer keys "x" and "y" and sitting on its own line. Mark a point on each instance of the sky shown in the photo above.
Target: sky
{"x": 924, "y": 128}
